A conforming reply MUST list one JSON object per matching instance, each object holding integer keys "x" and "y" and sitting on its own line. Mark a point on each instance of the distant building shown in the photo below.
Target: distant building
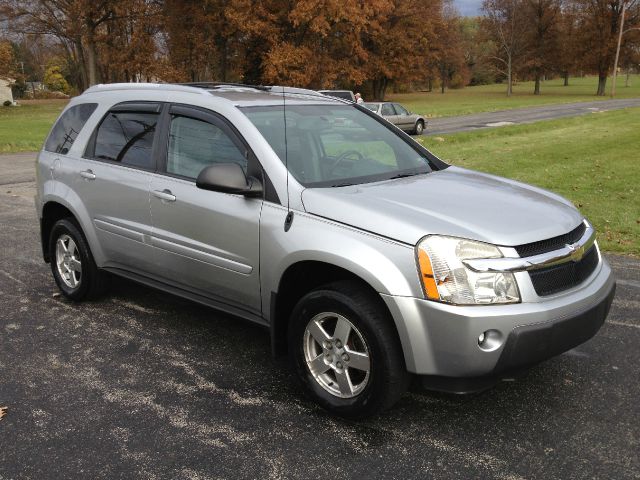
{"x": 5, "y": 90}
{"x": 34, "y": 86}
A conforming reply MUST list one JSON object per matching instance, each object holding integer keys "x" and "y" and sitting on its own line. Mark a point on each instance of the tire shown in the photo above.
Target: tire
{"x": 371, "y": 333}
{"x": 419, "y": 128}
{"x": 76, "y": 281}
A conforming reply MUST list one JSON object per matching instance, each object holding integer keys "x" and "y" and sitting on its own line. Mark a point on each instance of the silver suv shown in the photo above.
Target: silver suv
{"x": 370, "y": 261}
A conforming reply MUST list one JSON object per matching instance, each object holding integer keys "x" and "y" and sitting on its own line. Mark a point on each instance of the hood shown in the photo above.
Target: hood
{"x": 453, "y": 201}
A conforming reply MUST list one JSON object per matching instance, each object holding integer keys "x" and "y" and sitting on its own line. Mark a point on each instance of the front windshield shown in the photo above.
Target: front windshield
{"x": 371, "y": 106}
{"x": 337, "y": 145}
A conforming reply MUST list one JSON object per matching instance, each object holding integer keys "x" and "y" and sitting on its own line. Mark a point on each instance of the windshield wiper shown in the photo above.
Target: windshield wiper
{"x": 407, "y": 174}
{"x": 346, "y": 184}
{"x": 403, "y": 175}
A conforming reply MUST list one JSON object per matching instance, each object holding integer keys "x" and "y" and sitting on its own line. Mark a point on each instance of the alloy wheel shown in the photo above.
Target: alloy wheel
{"x": 336, "y": 354}
{"x": 68, "y": 261}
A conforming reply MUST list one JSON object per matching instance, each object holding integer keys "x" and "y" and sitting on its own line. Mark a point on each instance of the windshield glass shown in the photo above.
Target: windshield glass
{"x": 371, "y": 106}
{"x": 337, "y": 145}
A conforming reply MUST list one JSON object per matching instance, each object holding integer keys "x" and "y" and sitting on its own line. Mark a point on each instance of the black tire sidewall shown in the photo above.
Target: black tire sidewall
{"x": 419, "y": 128}
{"x": 67, "y": 227}
{"x": 372, "y": 397}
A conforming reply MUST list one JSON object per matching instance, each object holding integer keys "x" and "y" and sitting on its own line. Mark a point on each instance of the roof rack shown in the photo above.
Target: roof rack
{"x": 219, "y": 85}
{"x": 263, "y": 88}
{"x": 206, "y": 88}
{"x": 105, "y": 87}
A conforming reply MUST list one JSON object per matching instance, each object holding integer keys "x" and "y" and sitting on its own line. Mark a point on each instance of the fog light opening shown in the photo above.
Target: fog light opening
{"x": 490, "y": 340}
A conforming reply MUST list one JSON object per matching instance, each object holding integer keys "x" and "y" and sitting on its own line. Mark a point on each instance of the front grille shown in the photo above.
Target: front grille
{"x": 551, "y": 244}
{"x": 550, "y": 280}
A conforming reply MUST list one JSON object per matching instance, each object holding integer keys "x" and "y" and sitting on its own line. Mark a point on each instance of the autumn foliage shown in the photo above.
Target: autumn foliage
{"x": 367, "y": 45}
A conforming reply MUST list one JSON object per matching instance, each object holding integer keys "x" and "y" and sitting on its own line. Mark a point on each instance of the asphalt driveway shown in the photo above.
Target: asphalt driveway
{"x": 144, "y": 385}
{"x": 476, "y": 121}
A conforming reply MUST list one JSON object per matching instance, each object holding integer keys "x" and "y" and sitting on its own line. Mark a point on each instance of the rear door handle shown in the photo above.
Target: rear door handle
{"x": 165, "y": 195}
{"x": 88, "y": 174}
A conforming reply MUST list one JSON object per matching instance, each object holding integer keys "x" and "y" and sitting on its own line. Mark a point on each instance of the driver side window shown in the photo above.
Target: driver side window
{"x": 196, "y": 144}
{"x": 400, "y": 109}
{"x": 387, "y": 110}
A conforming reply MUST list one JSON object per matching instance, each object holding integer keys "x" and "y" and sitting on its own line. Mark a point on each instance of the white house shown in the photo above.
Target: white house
{"x": 5, "y": 90}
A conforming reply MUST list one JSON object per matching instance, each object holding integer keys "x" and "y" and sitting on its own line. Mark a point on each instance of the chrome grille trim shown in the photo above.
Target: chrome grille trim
{"x": 569, "y": 253}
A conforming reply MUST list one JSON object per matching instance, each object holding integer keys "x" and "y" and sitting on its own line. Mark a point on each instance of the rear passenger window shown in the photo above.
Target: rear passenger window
{"x": 195, "y": 144}
{"x": 126, "y": 138}
{"x": 67, "y": 128}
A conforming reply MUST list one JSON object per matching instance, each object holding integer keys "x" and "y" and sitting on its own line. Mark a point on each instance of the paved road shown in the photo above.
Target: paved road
{"x": 144, "y": 385}
{"x": 524, "y": 115}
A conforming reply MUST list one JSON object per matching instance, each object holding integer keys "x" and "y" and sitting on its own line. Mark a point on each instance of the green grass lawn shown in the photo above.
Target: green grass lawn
{"x": 592, "y": 160}
{"x": 491, "y": 98}
{"x": 24, "y": 128}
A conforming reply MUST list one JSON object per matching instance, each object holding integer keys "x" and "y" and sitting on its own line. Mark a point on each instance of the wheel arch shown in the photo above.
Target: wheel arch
{"x": 55, "y": 208}
{"x": 297, "y": 280}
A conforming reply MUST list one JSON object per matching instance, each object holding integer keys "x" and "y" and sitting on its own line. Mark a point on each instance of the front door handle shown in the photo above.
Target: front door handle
{"x": 88, "y": 175}
{"x": 165, "y": 195}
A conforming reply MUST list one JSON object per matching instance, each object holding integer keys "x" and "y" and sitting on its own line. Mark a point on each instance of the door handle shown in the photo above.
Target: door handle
{"x": 165, "y": 195}
{"x": 88, "y": 175}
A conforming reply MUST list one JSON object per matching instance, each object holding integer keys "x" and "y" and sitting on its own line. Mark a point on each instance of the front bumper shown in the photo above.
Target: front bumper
{"x": 442, "y": 340}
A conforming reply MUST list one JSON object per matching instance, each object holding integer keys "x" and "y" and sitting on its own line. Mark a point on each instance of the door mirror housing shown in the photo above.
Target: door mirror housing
{"x": 228, "y": 178}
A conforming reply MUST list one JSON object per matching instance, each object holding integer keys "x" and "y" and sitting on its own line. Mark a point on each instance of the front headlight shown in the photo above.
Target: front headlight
{"x": 446, "y": 279}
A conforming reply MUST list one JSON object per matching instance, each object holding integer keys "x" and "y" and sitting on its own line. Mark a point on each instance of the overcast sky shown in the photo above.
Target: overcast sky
{"x": 469, "y": 7}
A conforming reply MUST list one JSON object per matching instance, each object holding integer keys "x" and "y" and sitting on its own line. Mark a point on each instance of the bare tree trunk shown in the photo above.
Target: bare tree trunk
{"x": 443, "y": 79}
{"x": 380, "y": 88}
{"x": 626, "y": 81}
{"x": 536, "y": 89}
{"x": 566, "y": 79}
{"x": 91, "y": 58}
{"x": 82, "y": 62}
{"x": 225, "y": 60}
{"x": 509, "y": 77}
{"x": 602, "y": 83}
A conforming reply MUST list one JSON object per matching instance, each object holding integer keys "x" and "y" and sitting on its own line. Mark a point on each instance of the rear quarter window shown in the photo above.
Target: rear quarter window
{"x": 66, "y": 129}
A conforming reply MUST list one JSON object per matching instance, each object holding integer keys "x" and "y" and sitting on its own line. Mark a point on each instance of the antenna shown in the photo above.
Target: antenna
{"x": 289, "y": 218}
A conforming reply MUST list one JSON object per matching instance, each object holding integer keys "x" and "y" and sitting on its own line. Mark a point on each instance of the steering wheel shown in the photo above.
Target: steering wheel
{"x": 343, "y": 156}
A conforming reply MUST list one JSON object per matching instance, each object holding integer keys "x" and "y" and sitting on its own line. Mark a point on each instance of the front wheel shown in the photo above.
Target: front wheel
{"x": 419, "y": 128}
{"x": 346, "y": 351}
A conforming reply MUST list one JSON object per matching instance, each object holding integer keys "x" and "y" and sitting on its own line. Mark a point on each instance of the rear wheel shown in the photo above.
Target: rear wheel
{"x": 72, "y": 264}
{"x": 346, "y": 351}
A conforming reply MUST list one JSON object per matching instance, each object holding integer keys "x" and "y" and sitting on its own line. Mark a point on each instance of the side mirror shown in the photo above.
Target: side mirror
{"x": 228, "y": 178}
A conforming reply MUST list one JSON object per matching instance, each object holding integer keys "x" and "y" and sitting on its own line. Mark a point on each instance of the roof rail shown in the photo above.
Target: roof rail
{"x": 105, "y": 87}
{"x": 206, "y": 88}
{"x": 219, "y": 85}
{"x": 264, "y": 88}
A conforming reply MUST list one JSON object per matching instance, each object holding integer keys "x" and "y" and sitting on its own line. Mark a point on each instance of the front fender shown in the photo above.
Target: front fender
{"x": 387, "y": 266}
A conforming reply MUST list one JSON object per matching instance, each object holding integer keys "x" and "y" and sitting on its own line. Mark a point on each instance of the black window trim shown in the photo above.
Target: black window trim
{"x": 254, "y": 168}
{"x": 130, "y": 107}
